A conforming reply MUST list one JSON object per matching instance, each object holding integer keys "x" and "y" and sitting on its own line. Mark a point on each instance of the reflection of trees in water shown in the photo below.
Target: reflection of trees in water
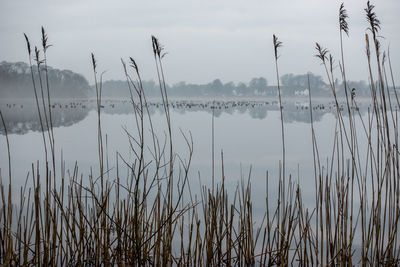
{"x": 293, "y": 111}
{"x": 301, "y": 116}
{"x": 258, "y": 113}
{"x": 22, "y": 118}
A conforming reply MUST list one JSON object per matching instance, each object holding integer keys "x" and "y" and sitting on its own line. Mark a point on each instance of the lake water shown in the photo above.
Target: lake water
{"x": 248, "y": 132}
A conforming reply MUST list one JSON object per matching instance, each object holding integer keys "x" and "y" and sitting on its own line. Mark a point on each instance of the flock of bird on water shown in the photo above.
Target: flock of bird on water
{"x": 188, "y": 104}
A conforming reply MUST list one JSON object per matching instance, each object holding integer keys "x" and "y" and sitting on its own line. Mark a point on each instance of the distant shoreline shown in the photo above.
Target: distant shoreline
{"x": 317, "y": 99}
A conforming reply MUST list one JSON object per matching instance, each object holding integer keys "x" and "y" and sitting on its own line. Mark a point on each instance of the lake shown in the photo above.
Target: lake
{"x": 248, "y": 132}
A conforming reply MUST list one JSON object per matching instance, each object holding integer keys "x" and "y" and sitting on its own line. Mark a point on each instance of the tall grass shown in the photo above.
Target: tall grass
{"x": 144, "y": 212}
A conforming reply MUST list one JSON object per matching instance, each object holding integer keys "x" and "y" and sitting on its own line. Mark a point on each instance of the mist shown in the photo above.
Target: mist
{"x": 226, "y": 40}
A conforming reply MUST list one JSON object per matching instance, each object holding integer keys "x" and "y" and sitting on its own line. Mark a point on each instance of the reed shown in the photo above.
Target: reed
{"x": 145, "y": 213}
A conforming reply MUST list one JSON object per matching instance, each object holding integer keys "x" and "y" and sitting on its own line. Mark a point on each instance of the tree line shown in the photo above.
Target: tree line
{"x": 291, "y": 85}
{"x": 16, "y": 81}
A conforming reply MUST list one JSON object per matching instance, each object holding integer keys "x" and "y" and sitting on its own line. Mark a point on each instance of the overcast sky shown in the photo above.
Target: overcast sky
{"x": 226, "y": 39}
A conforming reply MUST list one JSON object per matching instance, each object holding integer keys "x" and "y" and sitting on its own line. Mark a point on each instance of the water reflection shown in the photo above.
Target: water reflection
{"x": 22, "y": 117}
{"x": 247, "y": 132}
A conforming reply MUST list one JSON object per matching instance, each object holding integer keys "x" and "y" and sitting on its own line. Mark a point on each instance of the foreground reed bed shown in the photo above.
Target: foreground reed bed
{"x": 144, "y": 212}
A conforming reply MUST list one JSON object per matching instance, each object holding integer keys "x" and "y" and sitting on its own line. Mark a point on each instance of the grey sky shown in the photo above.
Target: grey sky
{"x": 226, "y": 39}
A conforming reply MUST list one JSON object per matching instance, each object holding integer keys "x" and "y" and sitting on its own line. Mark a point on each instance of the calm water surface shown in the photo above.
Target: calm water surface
{"x": 247, "y": 132}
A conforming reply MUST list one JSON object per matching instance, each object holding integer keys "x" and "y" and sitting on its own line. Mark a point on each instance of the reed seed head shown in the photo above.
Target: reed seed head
{"x": 372, "y": 19}
{"x": 37, "y": 56}
{"x": 342, "y": 19}
{"x": 277, "y": 44}
{"x": 156, "y": 46}
{"x": 322, "y": 52}
{"x": 133, "y": 64}
{"x": 28, "y": 44}
{"x": 44, "y": 40}
{"x": 94, "y": 62}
